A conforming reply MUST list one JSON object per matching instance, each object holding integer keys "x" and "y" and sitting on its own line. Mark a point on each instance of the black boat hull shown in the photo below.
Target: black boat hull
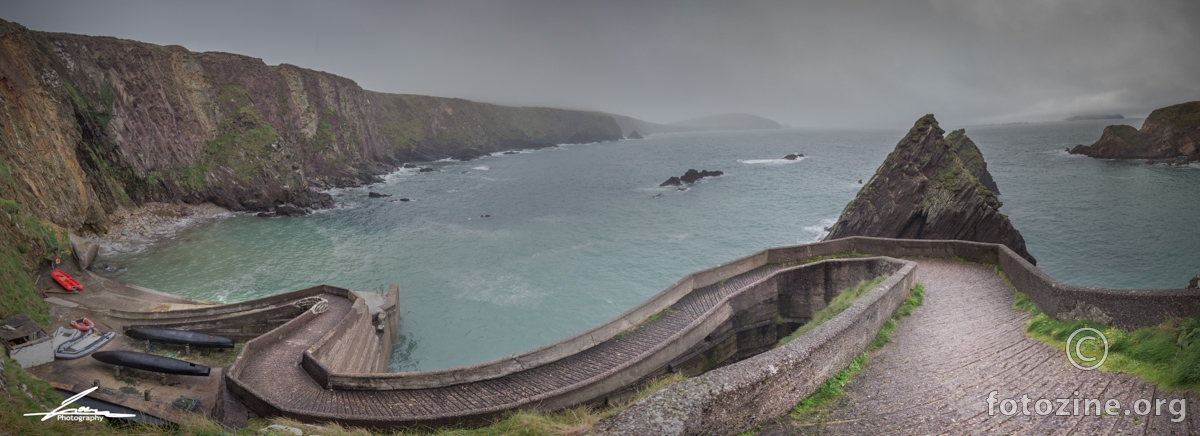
{"x": 150, "y": 362}
{"x": 181, "y": 337}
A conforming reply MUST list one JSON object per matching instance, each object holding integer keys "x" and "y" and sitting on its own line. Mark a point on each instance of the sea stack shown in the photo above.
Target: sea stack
{"x": 923, "y": 190}
{"x": 1172, "y": 132}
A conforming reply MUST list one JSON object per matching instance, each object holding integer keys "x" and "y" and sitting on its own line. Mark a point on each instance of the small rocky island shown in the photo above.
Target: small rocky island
{"x": 691, "y": 176}
{"x": 924, "y": 190}
{"x": 1172, "y": 133}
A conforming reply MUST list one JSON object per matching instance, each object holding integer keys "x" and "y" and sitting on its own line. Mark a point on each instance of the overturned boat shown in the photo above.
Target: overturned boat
{"x": 70, "y": 343}
{"x": 181, "y": 337}
{"x": 150, "y": 362}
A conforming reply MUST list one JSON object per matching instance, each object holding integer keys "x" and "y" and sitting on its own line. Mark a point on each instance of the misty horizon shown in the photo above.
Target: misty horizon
{"x": 816, "y": 65}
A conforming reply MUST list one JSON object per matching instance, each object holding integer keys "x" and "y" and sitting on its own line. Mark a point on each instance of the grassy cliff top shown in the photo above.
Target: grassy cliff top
{"x": 1180, "y": 115}
{"x": 1124, "y": 131}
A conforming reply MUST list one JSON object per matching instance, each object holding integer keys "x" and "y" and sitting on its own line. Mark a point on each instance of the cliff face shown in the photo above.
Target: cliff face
{"x": 93, "y": 122}
{"x": 972, "y": 159}
{"x": 88, "y": 124}
{"x": 1172, "y": 132}
{"x": 924, "y": 191}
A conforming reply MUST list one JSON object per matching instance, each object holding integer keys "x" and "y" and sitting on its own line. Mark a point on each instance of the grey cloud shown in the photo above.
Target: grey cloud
{"x": 814, "y": 64}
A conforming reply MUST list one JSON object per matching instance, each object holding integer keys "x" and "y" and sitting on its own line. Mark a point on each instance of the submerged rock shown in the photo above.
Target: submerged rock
{"x": 427, "y": 170}
{"x": 512, "y": 152}
{"x": 408, "y": 165}
{"x": 794, "y": 156}
{"x": 924, "y": 191}
{"x": 373, "y": 194}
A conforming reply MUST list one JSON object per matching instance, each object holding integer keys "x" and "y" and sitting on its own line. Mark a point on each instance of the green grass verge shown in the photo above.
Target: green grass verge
{"x": 816, "y": 403}
{"x": 1167, "y": 354}
{"x": 839, "y": 303}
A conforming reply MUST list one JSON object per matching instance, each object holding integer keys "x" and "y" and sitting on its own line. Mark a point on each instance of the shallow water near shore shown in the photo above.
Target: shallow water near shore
{"x": 580, "y": 233}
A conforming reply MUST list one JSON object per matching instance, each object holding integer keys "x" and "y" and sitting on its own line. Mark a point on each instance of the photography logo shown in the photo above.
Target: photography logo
{"x": 82, "y": 413}
{"x": 1083, "y": 347}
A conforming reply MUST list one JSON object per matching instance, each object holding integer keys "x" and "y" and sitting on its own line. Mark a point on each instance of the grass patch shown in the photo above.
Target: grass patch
{"x": 1167, "y": 354}
{"x": 832, "y": 389}
{"x": 839, "y": 303}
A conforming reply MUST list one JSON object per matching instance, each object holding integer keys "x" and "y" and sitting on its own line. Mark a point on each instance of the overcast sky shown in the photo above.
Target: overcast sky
{"x": 877, "y": 64}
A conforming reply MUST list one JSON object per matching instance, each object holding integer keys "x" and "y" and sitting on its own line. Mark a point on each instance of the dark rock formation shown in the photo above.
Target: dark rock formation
{"x": 923, "y": 191}
{"x": 634, "y": 135}
{"x": 1095, "y": 117}
{"x": 1168, "y": 133}
{"x": 373, "y": 194}
{"x": 428, "y": 170}
{"x": 405, "y": 199}
{"x": 794, "y": 156}
{"x": 470, "y": 154}
{"x": 290, "y": 210}
{"x": 267, "y": 214}
{"x": 691, "y": 176}
{"x": 1119, "y": 141}
{"x": 408, "y": 165}
{"x": 972, "y": 159}
{"x": 1194, "y": 283}
{"x": 512, "y": 152}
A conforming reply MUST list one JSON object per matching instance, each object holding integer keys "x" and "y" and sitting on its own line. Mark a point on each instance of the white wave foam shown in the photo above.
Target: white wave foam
{"x": 770, "y": 161}
{"x": 818, "y": 231}
{"x": 480, "y": 168}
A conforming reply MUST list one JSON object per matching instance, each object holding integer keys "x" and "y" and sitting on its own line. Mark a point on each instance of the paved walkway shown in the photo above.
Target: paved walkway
{"x": 277, "y": 375}
{"x": 963, "y": 343}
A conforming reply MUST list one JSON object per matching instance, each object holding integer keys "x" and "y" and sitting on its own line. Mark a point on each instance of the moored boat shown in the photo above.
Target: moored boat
{"x": 150, "y": 362}
{"x": 181, "y": 337}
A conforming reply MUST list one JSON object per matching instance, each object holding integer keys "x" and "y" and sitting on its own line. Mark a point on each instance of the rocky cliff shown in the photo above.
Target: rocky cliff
{"x": 92, "y": 123}
{"x": 923, "y": 190}
{"x": 1172, "y": 132}
{"x": 972, "y": 159}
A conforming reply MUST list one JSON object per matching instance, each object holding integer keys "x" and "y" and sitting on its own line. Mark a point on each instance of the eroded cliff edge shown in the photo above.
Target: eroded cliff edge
{"x": 88, "y": 124}
{"x": 1172, "y": 132}
{"x": 923, "y": 190}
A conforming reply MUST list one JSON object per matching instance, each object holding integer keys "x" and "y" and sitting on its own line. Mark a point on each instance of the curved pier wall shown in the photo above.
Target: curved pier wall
{"x": 1125, "y": 308}
{"x": 735, "y": 397}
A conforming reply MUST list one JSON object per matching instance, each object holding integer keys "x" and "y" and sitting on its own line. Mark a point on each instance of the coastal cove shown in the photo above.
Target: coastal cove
{"x": 580, "y": 233}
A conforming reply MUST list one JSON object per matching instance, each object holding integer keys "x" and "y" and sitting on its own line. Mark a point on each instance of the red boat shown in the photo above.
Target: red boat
{"x": 66, "y": 281}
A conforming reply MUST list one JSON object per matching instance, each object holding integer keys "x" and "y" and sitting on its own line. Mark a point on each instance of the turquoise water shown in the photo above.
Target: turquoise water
{"x": 580, "y": 233}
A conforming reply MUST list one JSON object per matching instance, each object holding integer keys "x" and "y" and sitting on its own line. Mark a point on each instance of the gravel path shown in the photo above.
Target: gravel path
{"x": 967, "y": 341}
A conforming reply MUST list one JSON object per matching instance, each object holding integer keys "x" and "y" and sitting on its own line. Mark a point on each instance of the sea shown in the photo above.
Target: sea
{"x": 510, "y": 252}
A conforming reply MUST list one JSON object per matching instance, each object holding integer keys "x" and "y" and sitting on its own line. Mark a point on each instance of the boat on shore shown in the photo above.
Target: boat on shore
{"x": 150, "y": 362}
{"x": 181, "y": 337}
{"x": 73, "y": 344}
{"x": 66, "y": 281}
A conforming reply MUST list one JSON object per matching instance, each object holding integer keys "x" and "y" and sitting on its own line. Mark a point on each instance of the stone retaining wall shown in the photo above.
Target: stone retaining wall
{"x": 736, "y": 397}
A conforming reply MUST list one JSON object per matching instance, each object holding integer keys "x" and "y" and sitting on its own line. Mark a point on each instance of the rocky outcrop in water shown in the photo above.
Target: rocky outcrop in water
{"x": 691, "y": 176}
{"x": 634, "y": 135}
{"x": 924, "y": 191}
{"x": 972, "y": 159}
{"x": 1172, "y": 132}
{"x": 794, "y": 156}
